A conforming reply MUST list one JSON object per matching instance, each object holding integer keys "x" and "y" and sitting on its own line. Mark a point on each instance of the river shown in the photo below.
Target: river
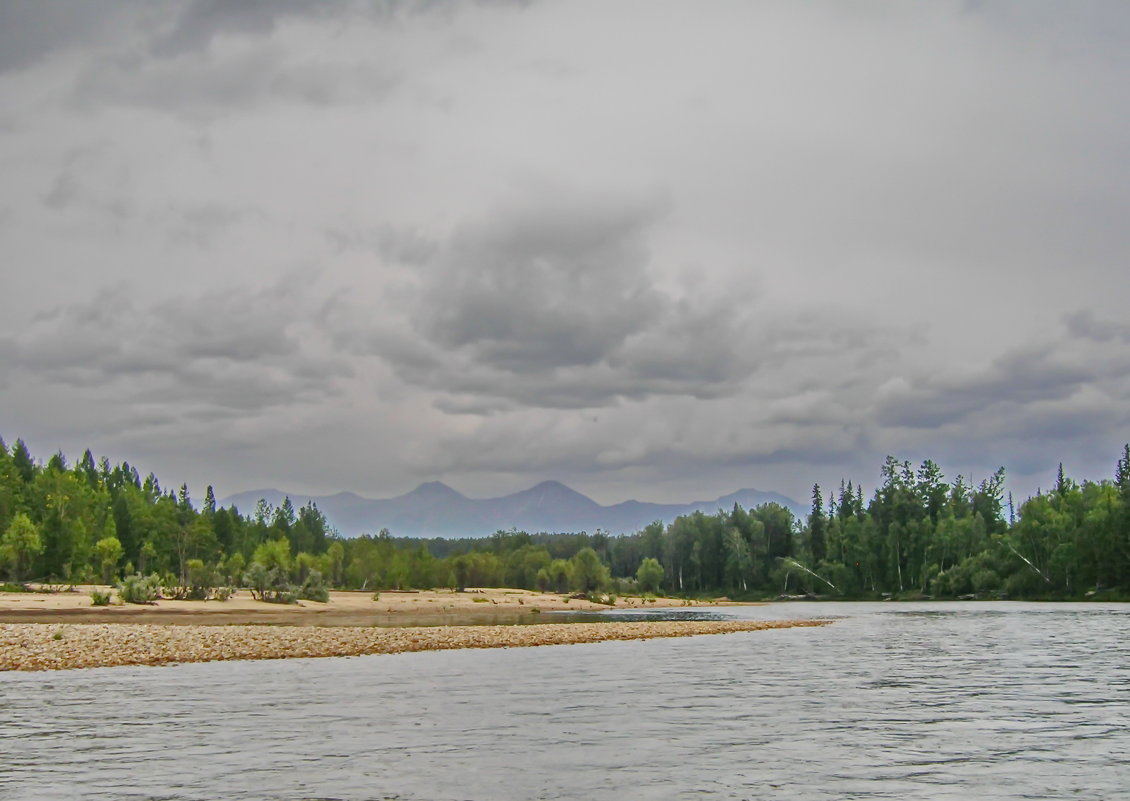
{"x": 893, "y": 701}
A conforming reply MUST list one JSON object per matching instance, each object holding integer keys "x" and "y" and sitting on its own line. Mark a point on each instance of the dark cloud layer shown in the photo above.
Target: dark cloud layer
{"x": 219, "y": 351}
{"x": 199, "y": 22}
{"x": 357, "y": 245}
{"x": 32, "y": 30}
{"x": 551, "y": 303}
{"x": 1034, "y": 378}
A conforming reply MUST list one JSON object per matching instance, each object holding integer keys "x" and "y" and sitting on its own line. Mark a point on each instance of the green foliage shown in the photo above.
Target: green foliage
{"x": 174, "y": 587}
{"x": 269, "y": 584}
{"x": 314, "y": 588}
{"x": 19, "y": 546}
{"x": 233, "y": 568}
{"x": 138, "y": 589}
{"x": 557, "y": 576}
{"x": 258, "y": 579}
{"x": 649, "y": 576}
{"x": 917, "y": 535}
{"x": 203, "y": 581}
{"x": 107, "y": 553}
{"x": 99, "y": 598}
{"x": 478, "y": 569}
{"x": 589, "y": 573}
{"x": 273, "y": 555}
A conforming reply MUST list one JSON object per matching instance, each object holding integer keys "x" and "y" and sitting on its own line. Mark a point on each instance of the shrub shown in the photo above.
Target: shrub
{"x": 138, "y": 589}
{"x": 202, "y": 580}
{"x": 269, "y": 585}
{"x": 1025, "y": 582}
{"x": 985, "y": 580}
{"x": 107, "y": 553}
{"x": 99, "y": 598}
{"x": 257, "y": 580}
{"x": 171, "y": 587}
{"x": 314, "y": 588}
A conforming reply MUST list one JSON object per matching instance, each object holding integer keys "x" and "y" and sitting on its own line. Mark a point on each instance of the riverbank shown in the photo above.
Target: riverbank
{"x": 427, "y": 607}
{"x": 32, "y": 646}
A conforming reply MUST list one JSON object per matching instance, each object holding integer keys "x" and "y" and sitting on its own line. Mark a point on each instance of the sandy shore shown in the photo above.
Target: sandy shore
{"x": 61, "y": 630}
{"x": 431, "y": 607}
{"x": 32, "y": 646}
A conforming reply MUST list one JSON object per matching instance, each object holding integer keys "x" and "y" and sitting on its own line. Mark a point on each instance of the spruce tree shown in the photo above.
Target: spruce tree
{"x": 817, "y": 527}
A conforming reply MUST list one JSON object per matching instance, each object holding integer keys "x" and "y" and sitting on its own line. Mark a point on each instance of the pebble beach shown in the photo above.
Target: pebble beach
{"x": 37, "y": 646}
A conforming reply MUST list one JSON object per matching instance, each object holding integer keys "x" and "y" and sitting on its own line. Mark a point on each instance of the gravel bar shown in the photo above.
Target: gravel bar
{"x": 37, "y": 646}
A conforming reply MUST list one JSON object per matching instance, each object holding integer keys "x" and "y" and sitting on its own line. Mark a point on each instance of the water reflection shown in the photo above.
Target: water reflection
{"x": 631, "y": 615}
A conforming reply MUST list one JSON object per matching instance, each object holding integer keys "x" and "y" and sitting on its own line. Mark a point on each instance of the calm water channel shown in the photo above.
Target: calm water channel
{"x": 898, "y": 701}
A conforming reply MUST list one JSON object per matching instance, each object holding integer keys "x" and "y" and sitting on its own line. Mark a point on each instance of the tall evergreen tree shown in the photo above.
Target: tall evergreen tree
{"x": 21, "y": 458}
{"x": 817, "y": 527}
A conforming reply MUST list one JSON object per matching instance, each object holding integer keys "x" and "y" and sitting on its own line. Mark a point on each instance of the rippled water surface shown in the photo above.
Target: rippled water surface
{"x": 899, "y": 701}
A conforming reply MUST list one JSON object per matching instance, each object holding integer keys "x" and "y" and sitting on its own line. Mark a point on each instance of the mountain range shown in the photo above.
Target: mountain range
{"x": 434, "y": 509}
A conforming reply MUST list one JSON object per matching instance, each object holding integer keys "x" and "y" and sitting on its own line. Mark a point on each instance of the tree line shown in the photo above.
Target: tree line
{"x": 918, "y": 535}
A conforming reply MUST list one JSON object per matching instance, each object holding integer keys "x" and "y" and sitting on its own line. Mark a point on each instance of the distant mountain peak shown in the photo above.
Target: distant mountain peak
{"x": 552, "y": 486}
{"x": 435, "y": 490}
{"x": 551, "y": 505}
{"x": 553, "y": 489}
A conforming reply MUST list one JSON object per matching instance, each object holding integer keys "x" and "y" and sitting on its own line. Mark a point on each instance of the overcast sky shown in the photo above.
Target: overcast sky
{"x": 650, "y": 249}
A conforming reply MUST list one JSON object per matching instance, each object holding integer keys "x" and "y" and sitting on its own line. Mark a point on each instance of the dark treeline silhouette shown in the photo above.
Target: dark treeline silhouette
{"x": 917, "y": 535}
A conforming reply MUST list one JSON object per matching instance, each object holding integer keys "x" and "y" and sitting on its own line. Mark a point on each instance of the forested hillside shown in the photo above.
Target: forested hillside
{"x": 918, "y": 534}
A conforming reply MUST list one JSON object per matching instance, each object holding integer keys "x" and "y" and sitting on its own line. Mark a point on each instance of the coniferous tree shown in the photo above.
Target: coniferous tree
{"x": 817, "y": 527}
{"x": 21, "y": 458}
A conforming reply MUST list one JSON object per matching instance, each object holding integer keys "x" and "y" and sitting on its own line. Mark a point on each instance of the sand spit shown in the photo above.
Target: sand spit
{"x": 30, "y": 646}
{"x": 427, "y": 607}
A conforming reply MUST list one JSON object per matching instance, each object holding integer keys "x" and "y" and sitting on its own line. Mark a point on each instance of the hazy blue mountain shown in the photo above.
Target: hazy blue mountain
{"x": 436, "y": 510}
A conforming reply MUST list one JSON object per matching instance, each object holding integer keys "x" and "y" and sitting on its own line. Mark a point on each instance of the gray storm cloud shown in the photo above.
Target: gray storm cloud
{"x": 643, "y": 248}
{"x": 225, "y": 351}
{"x": 551, "y": 304}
